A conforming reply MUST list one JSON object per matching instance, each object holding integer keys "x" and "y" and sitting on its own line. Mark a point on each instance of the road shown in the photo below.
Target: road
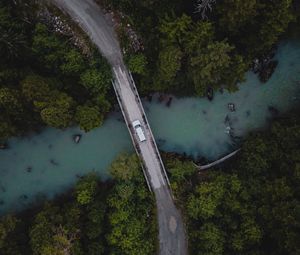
{"x": 172, "y": 239}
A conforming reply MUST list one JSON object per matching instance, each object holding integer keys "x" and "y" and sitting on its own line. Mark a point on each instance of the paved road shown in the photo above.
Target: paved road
{"x": 100, "y": 29}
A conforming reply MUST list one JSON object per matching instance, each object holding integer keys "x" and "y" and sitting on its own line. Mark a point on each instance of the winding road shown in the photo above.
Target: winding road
{"x": 99, "y": 27}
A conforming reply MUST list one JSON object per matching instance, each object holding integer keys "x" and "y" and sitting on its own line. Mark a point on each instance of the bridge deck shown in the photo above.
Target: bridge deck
{"x": 132, "y": 109}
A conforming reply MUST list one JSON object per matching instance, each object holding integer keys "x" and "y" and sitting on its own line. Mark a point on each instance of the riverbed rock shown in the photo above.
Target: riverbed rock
{"x": 267, "y": 70}
{"x": 274, "y": 111}
{"x": 77, "y": 138}
{"x": 210, "y": 93}
{"x": 231, "y": 107}
{"x": 168, "y": 104}
{"x": 3, "y": 146}
{"x": 265, "y": 66}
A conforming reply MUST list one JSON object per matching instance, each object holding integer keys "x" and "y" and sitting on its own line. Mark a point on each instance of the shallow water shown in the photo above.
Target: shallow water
{"x": 49, "y": 163}
{"x": 199, "y": 127}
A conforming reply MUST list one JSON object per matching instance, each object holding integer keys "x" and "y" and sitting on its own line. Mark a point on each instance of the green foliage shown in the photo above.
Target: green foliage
{"x": 7, "y": 226}
{"x": 10, "y": 101}
{"x": 56, "y": 117}
{"x": 74, "y": 63}
{"x": 35, "y": 88}
{"x": 40, "y": 75}
{"x": 209, "y": 64}
{"x": 169, "y": 63}
{"x": 125, "y": 168}
{"x": 96, "y": 82}
{"x": 86, "y": 189}
{"x": 137, "y": 63}
{"x": 251, "y": 205}
{"x": 88, "y": 117}
{"x": 95, "y": 218}
{"x": 130, "y": 210}
{"x": 237, "y": 14}
{"x": 48, "y": 48}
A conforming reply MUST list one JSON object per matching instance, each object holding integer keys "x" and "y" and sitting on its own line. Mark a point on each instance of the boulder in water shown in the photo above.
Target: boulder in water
{"x": 77, "y": 138}
{"x": 210, "y": 93}
{"x": 274, "y": 112}
{"x": 231, "y": 107}
{"x": 267, "y": 70}
{"x": 168, "y": 104}
{"x": 3, "y": 146}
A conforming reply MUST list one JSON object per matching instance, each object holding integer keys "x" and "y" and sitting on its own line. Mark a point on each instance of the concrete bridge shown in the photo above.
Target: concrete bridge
{"x": 99, "y": 27}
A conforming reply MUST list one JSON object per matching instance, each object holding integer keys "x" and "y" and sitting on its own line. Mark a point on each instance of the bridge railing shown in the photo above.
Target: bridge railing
{"x": 136, "y": 146}
{"x": 148, "y": 127}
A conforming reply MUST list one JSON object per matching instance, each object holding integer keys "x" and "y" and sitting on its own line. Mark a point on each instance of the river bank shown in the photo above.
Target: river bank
{"x": 49, "y": 163}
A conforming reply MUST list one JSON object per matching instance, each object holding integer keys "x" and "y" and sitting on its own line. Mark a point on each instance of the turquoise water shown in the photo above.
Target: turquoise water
{"x": 198, "y": 127}
{"x": 46, "y": 164}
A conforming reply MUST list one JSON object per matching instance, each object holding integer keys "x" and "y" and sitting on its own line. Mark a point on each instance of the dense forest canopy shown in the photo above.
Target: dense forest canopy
{"x": 44, "y": 78}
{"x": 187, "y": 51}
{"x": 252, "y": 204}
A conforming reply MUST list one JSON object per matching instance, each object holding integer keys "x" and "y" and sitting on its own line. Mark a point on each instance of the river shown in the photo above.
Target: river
{"x": 43, "y": 165}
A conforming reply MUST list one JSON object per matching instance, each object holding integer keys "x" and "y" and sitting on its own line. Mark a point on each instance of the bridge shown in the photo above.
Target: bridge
{"x": 94, "y": 22}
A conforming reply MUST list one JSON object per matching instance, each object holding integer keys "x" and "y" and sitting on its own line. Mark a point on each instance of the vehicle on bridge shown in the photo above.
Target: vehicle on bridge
{"x": 139, "y": 131}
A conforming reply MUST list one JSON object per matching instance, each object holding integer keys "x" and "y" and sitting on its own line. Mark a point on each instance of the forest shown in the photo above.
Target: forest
{"x": 47, "y": 78}
{"x": 44, "y": 79}
{"x": 250, "y": 205}
{"x": 188, "y": 47}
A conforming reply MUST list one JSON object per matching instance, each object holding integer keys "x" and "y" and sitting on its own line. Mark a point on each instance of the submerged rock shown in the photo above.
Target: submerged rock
{"x": 231, "y": 107}
{"x": 274, "y": 112}
{"x": 267, "y": 70}
{"x": 29, "y": 169}
{"x": 265, "y": 66}
{"x": 77, "y": 138}
{"x": 210, "y": 93}
{"x": 168, "y": 104}
{"x": 53, "y": 162}
{"x": 4, "y": 146}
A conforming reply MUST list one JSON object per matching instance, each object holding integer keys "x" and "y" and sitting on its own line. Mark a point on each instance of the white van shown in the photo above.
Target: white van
{"x": 139, "y": 131}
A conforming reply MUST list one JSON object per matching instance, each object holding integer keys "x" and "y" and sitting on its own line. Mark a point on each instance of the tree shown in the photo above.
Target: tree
{"x": 96, "y": 82}
{"x": 174, "y": 29}
{"x": 137, "y": 63}
{"x": 7, "y": 129}
{"x": 208, "y": 66}
{"x": 169, "y": 63}
{"x": 73, "y": 63}
{"x": 125, "y": 167}
{"x": 56, "y": 117}
{"x": 48, "y": 48}
{"x": 88, "y": 117}
{"x": 35, "y": 88}
{"x": 86, "y": 189}
{"x": 10, "y": 101}
{"x": 235, "y": 14}
{"x": 131, "y": 219}
{"x": 212, "y": 240}
{"x": 7, "y": 226}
